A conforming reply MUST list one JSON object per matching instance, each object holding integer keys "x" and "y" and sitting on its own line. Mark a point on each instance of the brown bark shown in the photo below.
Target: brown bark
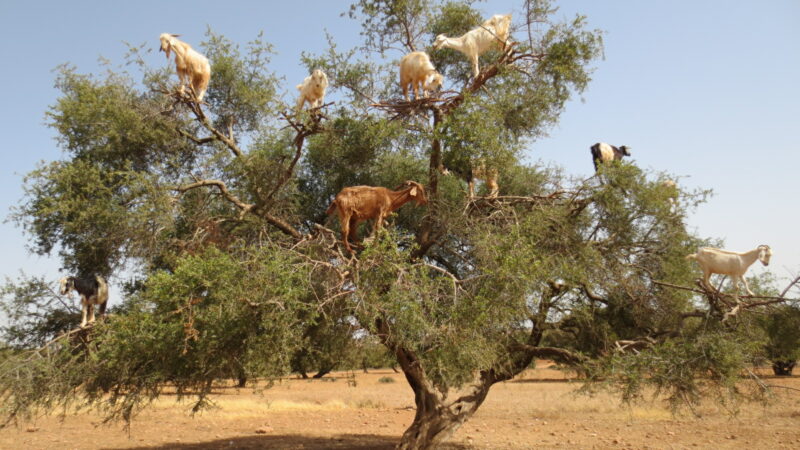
{"x": 437, "y": 418}
{"x": 783, "y": 368}
{"x": 425, "y": 236}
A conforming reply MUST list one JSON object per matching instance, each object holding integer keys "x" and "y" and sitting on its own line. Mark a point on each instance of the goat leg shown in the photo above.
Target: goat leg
{"x": 84, "y": 311}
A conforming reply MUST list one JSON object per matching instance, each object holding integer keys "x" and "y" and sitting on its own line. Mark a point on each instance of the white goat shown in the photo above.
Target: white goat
{"x": 417, "y": 71}
{"x": 477, "y": 171}
{"x": 474, "y": 43}
{"x": 312, "y": 90}
{"x": 672, "y": 191}
{"x": 192, "y": 67}
{"x": 92, "y": 292}
{"x": 733, "y": 264}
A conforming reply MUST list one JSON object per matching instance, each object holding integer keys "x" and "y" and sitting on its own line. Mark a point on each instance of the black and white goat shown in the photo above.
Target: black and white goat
{"x": 92, "y": 292}
{"x": 603, "y": 153}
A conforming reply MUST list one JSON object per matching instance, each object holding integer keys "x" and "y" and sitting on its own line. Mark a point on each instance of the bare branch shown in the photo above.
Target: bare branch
{"x": 793, "y": 283}
{"x": 634, "y": 345}
{"x": 303, "y": 131}
{"x": 223, "y": 189}
{"x": 244, "y": 207}
{"x": 592, "y": 295}
{"x": 194, "y": 139}
{"x": 190, "y": 100}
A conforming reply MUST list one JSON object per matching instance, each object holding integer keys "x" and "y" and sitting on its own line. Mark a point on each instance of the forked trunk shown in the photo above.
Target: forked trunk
{"x": 428, "y": 430}
{"x": 436, "y": 421}
{"x": 437, "y": 417}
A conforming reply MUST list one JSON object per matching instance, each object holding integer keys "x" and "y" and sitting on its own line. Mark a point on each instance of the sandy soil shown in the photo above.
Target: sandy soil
{"x": 364, "y": 411}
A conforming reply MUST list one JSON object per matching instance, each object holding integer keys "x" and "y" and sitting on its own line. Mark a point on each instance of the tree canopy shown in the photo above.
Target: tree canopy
{"x": 219, "y": 210}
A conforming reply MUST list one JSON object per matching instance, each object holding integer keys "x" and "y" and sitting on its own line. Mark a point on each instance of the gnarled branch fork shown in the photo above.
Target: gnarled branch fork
{"x": 263, "y": 205}
{"x": 245, "y": 208}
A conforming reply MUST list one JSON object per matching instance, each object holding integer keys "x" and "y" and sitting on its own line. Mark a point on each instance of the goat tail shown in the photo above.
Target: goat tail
{"x": 331, "y": 208}
{"x": 692, "y": 256}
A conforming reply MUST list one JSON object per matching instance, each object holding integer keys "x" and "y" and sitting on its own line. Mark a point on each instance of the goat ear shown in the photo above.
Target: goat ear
{"x": 414, "y": 191}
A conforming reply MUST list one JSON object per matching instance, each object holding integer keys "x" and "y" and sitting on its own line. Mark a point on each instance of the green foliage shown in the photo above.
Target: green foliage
{"x": 390, "y": 23}
{"x": 704, "y": 363}
{"x": 34, "y": 313}
{"x": 243, "y": 90}
{"x": 217, "y": 209}
{"x": 189, "y": 327}
{"x": 782, "y": 327}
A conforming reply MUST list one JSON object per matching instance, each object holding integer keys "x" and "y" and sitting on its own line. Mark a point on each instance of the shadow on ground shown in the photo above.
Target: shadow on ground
{"x": 293, "y": 441}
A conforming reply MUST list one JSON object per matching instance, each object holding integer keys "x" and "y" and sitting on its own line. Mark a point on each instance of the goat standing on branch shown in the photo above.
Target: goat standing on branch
{"x": 478, "y": 171}
{"x": 733, "y": 264}
{"x": 357, "y": 204}
{"x": 417, "y": 71}
{"x": 474, "y": 43}
{"x": 312, "y": 90}
{"x": 672, "y": 193}
{"x": 192, "y": 67}
{"x": 92, "y": 292}
{"x": 603, "y": 153}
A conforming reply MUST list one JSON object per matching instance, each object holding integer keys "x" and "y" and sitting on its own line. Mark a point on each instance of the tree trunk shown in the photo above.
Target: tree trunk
{"x": 429, "y": 430}
{"x": 436, "y": 421}
{"x": 425, "y": 235}
{"x": 322, "y": 372}
{"x": 783, "y": 368}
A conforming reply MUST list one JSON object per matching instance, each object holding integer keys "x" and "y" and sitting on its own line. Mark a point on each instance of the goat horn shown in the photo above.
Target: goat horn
{"x": 175, "y": 35}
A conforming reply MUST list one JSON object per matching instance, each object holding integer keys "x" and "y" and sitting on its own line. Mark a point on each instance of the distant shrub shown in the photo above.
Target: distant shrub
{"x": 369, "y": 404}
{"x": 385, "y": 380}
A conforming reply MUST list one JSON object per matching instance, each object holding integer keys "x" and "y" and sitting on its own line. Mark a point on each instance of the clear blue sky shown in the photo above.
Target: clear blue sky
{"x": 706, "y": 90}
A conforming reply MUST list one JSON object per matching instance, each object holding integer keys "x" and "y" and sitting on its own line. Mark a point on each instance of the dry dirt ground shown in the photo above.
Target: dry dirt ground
{"x": 364, "y": 411}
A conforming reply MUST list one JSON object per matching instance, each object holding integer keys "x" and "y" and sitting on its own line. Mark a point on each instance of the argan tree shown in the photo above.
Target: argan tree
{"x": 218, "y": 209}
{"x": 781, "y": 324}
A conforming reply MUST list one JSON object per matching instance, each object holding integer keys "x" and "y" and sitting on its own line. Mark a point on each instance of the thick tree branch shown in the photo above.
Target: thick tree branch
{"x": 245, "y": 208}
{"x": 771, "y": 299}
{"x": 196, "y": 140}
{"x": 554, "y": 353}
{"x": 201, "y": 117}
{"x": 223, "y": 189}
{"x": 592, "y": 295}
{"x": 303, "y": 131}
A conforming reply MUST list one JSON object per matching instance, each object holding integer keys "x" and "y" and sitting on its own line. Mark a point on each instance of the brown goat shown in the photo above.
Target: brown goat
{"x": 489, "y": 175}
{"x": 357, "y": 204}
